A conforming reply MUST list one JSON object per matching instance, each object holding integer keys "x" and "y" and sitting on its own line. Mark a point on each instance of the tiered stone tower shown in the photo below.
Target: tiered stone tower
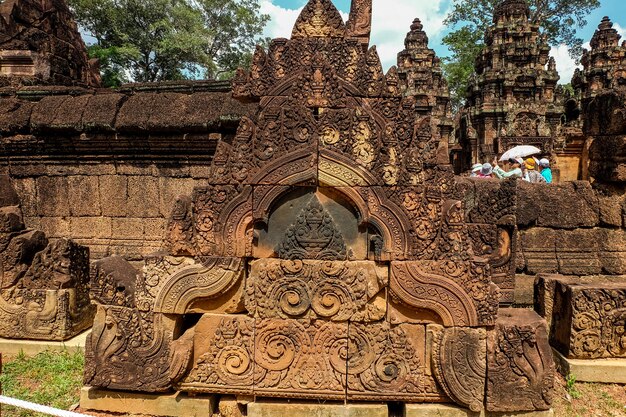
{"x": 512, "y": 96}
{"x": 419, "y": 70}
{"x": 601, "y": 86}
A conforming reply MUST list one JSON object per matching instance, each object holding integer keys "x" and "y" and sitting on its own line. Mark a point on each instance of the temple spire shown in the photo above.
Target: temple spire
{"x": 360, "y": 21}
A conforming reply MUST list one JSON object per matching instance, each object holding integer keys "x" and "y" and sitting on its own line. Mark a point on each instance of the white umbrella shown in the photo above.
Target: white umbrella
{"x": 521, "y": 151}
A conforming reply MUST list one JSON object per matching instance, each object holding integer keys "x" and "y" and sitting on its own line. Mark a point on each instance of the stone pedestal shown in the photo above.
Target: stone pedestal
{"x": 302, "y": 409}
{"x": 33, "y": 347}
{"x": 606, "y": 371}
{"x": 444, "y": 410}
{"x": 175, "y": 405}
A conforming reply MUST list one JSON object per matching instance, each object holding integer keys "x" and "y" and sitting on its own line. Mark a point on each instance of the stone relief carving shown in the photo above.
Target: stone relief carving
{"x": 314, "y": 235}
{"x": 460, "y": 363}
{"x": 332, "y": 216}
{"x": 588, "y": 321}
{"x": 520, "y": 372}
{"x": 336, "y": 291}
{"x": 44, "y": 287}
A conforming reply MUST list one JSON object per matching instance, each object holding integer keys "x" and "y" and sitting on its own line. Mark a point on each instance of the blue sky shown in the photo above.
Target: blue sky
{"x": 392, "y": 19}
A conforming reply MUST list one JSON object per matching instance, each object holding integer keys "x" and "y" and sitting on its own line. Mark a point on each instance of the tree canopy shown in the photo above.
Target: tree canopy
{"x": 157, "y": 40}
{"x": 557, "y": 20}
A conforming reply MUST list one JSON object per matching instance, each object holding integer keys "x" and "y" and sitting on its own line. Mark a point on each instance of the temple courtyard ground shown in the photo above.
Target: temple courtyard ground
{"x": 55, "y": 379}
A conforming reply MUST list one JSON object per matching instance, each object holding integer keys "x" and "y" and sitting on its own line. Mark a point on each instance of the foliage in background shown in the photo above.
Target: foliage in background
{"x": 49, "y": 378}
{"x": 159, "y": 40}
{"x": 558, "y": 21}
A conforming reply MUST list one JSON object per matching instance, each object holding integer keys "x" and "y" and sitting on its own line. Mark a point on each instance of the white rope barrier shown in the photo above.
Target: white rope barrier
{"x": 38, "y": 408}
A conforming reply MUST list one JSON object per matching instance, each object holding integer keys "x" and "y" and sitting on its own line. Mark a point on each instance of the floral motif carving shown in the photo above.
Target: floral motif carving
{"x": 458, "y": 294}
{"x": 389, "y": 363}
{"x": 336, "y": 291}
{"x": 589, "y": 321}
{"x": 129, "y": 349}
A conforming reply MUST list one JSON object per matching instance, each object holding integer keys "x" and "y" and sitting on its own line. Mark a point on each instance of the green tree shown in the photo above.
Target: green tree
{"x": 557, "y": 20}
{"x": 156, "y": 40}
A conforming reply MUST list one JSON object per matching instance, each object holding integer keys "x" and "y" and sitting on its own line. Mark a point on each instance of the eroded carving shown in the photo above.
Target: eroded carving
{"x": 455, "y": 294}
{"x": 460, "y": 363}
{"x": 520, "y": 372}
{"x": 589, "y": 320}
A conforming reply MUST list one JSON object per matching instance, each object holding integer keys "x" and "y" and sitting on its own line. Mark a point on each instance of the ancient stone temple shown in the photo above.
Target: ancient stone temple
{"x": 44, "y": 286}
{"x": 512, "y": 96}
{"x": 40, "y": 43}
{"x": 329, "y": 256}
{"x": 601, "y": 86}
{"x": 419, "y": 70}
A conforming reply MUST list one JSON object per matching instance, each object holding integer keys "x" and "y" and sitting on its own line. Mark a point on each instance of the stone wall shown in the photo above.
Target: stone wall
{"x": 106, "y": 167}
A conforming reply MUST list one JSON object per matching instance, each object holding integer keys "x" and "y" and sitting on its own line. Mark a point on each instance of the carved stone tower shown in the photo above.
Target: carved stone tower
{"x": 512, "y": 96}
{"x": 601, "y": 86}
{"x": 420, "y": 75}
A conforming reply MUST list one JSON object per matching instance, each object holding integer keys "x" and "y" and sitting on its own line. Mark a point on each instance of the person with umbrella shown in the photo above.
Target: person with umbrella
{"x": 515, "y": 156}
{"x": 514, "y": 172}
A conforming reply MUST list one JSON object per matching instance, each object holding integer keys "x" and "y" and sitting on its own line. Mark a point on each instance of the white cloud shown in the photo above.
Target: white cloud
{"x": 565, "y": 65}
{"x": 282, "y": 19}
{"x": 620, "y": 30}
{"x": 391, "y": 23}
{"x": 389, "y": 26}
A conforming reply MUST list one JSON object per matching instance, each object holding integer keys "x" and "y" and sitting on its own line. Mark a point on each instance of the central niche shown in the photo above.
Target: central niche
{"x": 312, "y": 223}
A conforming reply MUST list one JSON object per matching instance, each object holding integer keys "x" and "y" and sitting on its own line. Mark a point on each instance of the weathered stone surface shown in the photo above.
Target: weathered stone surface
{"x": 42, "y": 44}
{"x": 525, "y": 291}
{"x": 299, "y": 409}
{"x": 389, "y": 363}
{"x": 44, "y": 286}
{"x": 171, "y": 405}
{"x": 588, "y": 320}
{"x": 520, "y": 367}
{"x": 443, "y": 410}
{"x": 10, "y": 346}
{"x": 460, "y": 364}
{"x": 545, "y": 287}
{"x": 8, "y": 195}
{"x": 84, "y": 199}
{"x": 143, "y": 196}
{"x": 439, "y": 292}
{"x": 337, "y": 291}
{"x": 365, "y": 272}
{"x": 52, "y": 196}
{"x": 605, "y": 371}
{"x": 565, "y": 206}
{"x": 143, "y": 355}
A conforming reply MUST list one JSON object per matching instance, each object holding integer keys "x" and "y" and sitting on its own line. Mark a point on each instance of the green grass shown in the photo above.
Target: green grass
{"x": 49, "y": 378}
